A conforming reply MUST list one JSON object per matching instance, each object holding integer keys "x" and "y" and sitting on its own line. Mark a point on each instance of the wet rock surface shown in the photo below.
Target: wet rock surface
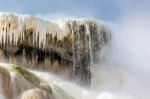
{"x": 16, "y": 82}
{"x": 64, "y": 47}
{"x": 37, "y": 94}
{"x": 5, "y": 82}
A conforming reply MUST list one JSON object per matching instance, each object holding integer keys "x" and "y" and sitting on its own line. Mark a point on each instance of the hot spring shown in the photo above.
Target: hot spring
{"x": 65, "y": 59}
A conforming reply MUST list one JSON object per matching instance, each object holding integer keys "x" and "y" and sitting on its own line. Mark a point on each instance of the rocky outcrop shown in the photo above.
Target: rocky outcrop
{"x": 17, "y": 81}
{"x": 64, "y": 47}
{"x": 4, "y": 82}
{"x": 11, "y": 86}
{"x": 36, "y": 94}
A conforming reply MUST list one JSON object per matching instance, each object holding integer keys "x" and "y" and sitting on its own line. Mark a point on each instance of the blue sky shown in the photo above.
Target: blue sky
{"x": 99, "y": 9}
{"x": 110, "y": 10}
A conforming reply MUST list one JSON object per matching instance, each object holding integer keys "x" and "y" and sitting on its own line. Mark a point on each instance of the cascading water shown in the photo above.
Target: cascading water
{"x": 65, "y": 47}
{"x": 72, "y": 50}
{"x": 65, "y": 90}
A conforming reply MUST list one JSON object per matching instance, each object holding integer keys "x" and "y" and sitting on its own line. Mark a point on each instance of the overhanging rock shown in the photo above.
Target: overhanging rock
{"x": 65, "y": 47}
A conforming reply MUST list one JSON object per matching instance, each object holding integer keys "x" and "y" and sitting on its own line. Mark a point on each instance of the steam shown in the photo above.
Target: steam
{"x": 132, "y": 38}
{"x": 125, "y": 73}
{"x": 126, "y": 70}
{"x": 130, "y": 50}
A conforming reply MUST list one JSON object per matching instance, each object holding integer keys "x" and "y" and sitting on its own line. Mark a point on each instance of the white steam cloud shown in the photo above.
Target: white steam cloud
{"x": 130, "y": 47}
{"x": 127, "y": 72}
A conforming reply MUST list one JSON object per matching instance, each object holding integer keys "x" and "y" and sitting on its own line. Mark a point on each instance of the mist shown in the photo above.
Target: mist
{"x": 125, "y": 72}
{"x": 129, "y": 51}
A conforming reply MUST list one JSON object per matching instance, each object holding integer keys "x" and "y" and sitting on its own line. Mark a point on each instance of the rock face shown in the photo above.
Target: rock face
{"x": 36, "y": 94}
{"x": 4, "y": 82}
{"x": 64, "y": 47}
{"x": 17, "y": 80}
{"x": 10, "y": 85}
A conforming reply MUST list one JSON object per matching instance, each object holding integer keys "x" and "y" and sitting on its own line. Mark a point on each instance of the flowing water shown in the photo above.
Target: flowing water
{"x": 110, "y": 79}
{"x": 71, "y": 88}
